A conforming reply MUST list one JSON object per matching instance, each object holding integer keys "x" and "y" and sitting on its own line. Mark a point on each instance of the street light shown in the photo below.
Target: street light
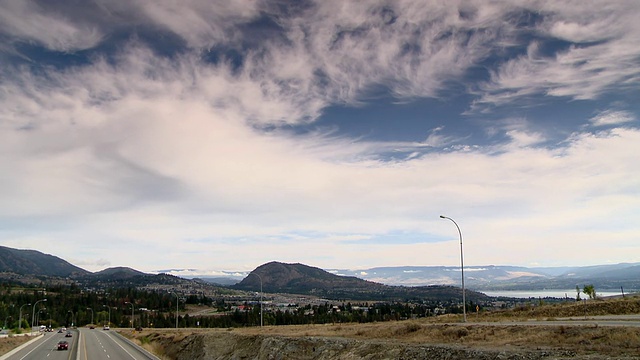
{"x": 259, "y": 277}
{"x": 108, "y": 324}
{"x": 177, "y": 303}
{"x": 38, "y": 315}
{"x": 5, "y": 321}
{"x": 33, "y": 313}
{"x": 91, "y": 315}
{"x": 73, "y": 316}
{"x": 464, "y": 302}
{"x": 20, "y": 323}
{"x": 126, "y": 302}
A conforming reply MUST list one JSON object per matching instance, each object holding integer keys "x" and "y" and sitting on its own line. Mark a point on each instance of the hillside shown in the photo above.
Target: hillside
{"x": 32, "y": 262}
{"x": 118, "y": 273}
{"x": 303, "y": 279}
{"x": 33, "y": 267}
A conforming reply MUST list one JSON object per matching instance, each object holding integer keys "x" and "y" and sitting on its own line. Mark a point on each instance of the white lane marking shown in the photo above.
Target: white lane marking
{"x": 43, "y": 341}
{"x": 125, "y": 350}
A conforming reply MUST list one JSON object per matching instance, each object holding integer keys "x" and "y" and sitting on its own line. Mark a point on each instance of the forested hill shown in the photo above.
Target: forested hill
{"x": 32, "y": 262}
{"x": 279, "y": 277}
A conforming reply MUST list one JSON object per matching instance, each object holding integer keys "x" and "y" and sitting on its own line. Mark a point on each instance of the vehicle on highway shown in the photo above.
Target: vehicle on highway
{"x": 63, "y": 345}
{"x": 68, "y": 334}
{"x": 92, "y": 327}
{"x": 106, "y": 327}
{"x": 60, "y": 331}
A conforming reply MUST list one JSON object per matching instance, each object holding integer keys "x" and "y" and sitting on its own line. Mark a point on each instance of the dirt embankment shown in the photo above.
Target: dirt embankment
{"x": 395, "y": 340}
{"x": 239, "y": 346}
{"x": 429, "y": 338}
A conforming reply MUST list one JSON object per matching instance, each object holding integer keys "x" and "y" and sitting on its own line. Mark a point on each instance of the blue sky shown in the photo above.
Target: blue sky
{"x": 216, "y": 135}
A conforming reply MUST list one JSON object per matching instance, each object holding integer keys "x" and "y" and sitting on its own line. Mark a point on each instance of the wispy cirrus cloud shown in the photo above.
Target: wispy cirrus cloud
{"x": 28, "y": 21}
{"x": 155, "y": 144}
{"x": 612, "y": 117}
{"x": 602, "y": 54}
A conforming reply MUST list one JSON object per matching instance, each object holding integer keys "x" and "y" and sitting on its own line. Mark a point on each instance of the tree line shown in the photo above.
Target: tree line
{"x": 72, "y": 306}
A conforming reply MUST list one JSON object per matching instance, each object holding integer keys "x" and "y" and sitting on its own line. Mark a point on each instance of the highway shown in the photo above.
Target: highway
{"x": 86, "y": 344}
{"x": 46, "y": 347}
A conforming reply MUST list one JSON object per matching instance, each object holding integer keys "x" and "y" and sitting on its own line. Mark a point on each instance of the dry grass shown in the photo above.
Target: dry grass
{"x": 581, "y": 339}
{"x": 621, "y": 306}
{"x": 9, "y": 343}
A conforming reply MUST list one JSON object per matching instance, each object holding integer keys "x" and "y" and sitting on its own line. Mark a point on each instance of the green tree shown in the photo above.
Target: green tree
{"x": 578, "y": 293}
{"x": 590, "y": 290}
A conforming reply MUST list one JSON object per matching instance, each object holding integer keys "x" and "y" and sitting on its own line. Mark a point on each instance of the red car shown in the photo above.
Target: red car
{"x": 63, "y": 345}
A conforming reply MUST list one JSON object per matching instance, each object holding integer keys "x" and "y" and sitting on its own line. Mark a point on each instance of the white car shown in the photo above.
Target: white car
{"x": 106, "y": 327}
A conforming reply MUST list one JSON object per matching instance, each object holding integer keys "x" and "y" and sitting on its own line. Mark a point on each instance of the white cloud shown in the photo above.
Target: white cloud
{"x": 25, "y": 20}
{"x": 200, "y": 23}
{"x": 612, "y": 117}
{"x": 159, "y": 166}
{"x": 604, "y": 56}
{"x": 140, "y": 155}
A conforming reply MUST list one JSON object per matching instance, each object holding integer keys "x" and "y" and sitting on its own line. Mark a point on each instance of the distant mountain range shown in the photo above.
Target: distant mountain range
{"x": 485, "y": 278}
{"x": 481, "y": 278}
{"x": 29, "y": 266}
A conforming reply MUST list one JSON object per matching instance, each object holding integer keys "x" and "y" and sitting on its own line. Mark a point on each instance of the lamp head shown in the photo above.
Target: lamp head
{"x": 443, "y": 217}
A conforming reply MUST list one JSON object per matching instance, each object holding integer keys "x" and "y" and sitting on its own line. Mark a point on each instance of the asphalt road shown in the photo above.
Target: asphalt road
{"x": 46, "y": 347}
{"x": 99, "y": 344}
{"x": 85, "y": 344}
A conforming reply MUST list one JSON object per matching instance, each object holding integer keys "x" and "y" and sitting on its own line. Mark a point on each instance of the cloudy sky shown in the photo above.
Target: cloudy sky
{"x": 221, "y": 135}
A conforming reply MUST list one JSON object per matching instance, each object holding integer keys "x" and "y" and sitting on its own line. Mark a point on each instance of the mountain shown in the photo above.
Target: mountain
{"x": 33, "y": 267}
{"x": 492, "y": 277}
{"x": 32, "y": 262}
{"x": 276, "y": 277}
{"x": 118, "y": 273}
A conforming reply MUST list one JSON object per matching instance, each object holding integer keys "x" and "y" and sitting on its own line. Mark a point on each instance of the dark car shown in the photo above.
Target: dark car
{"x": 68, "y": 334}
{"x": 63, "y": 345}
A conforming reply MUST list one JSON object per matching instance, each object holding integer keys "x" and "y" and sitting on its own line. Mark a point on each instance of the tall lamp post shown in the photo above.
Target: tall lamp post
{"x": 177, "y": 304}
{"x": 91, "y": 315}
{"x": 38, "y": 315}
{"x": 33, "y": 313}
{"x": 73, "y": 317}
{"x": 464, "y": 302}
{"x": 109, "y": 323}
{"x": 259, "y": 277}
{"x": 20, "y": 321}
{"x": 126, "y": 302}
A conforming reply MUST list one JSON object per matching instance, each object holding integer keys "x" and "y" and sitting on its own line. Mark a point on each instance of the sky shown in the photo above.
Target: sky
{"x": 221, "y": 135}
